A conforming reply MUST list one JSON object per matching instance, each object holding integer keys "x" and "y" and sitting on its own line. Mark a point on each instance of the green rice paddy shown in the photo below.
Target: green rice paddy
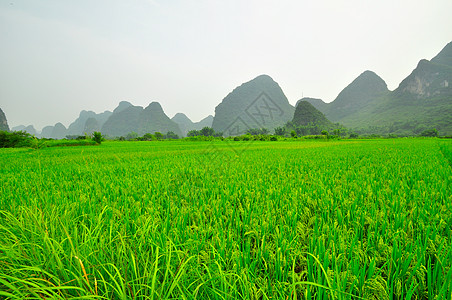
{"x": 362, "y": 219}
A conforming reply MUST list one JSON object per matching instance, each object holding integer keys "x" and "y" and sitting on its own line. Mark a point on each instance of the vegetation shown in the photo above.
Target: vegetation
{"x": 22, "y": 139}
{"x": 15, "y": 139}
{"x": 288, "y": 220}
{"x": 205, "y": 131}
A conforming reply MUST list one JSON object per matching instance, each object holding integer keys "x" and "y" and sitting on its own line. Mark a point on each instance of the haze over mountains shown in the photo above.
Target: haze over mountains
{"x": 422, "y": 101}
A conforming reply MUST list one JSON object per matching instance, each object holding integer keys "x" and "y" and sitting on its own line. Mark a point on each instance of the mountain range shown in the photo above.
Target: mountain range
{"x": 185, "y": 124}
{"x": 422, "y": 101}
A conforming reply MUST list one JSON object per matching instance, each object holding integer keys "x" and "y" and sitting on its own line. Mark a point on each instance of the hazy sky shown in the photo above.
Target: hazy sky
{"x": 60, "y": 57}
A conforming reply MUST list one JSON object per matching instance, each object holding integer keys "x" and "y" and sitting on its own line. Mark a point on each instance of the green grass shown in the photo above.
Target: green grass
{"x": 361, "y": 219}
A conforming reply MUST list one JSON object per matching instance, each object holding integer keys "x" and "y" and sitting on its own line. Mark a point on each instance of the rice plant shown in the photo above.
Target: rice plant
{"x": 267, "y": 220}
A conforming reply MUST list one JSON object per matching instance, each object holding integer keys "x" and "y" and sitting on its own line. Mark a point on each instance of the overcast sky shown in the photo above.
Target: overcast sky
{"x": 60, "y": 57}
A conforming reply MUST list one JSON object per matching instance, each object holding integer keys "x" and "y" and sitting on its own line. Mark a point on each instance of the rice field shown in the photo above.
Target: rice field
{"x": 358, "y": 219}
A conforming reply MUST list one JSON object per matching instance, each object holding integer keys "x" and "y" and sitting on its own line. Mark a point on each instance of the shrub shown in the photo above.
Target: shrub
{"x": 15, "y": 139}
{"x": 430, "y": 132}
{"x": 97, "y": 137}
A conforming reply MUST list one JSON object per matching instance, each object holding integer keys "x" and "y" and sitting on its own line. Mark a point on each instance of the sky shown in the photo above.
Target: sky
{"x": 58, "y": 57}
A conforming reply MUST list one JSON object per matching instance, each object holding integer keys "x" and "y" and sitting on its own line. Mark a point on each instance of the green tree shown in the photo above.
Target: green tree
{"x": 97, "y": 137}
{"x": 280, "y": 131}
{"x": 193, "y": 133}
{"x": 430, "y": 132}
{"x": 171, "y": 135}
{"x": 207, "y": 131}
{"x": 158, "y": 135}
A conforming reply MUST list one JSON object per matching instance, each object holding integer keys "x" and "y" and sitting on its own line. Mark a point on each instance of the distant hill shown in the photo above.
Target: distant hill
{"x": 30, "y": 129}
{"x": 3, "y": 122}
{"x": 80, "y": 125}
{"x": 185, "y": 124}
{"x": 58, "y": 131}
{"x": 127, "y": 118}
{"x": 259, "y": 103}
{"x": 422, "y": 101}
{"x": 306, "y": 114}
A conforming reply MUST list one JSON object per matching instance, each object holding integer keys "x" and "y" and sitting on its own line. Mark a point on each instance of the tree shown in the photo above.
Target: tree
{"x": 171, "y": 135}
{"x": 293, "y": 134}
{"x": 430, "y": 132}
{"x": 158, "y": 135}
{"x": 207, "y": 131}
{"x": 193, "y": 133}
{"x": 148, "y": 137}
{"x": 97, "y": 137}
{"x": 131, "y": 136}
{"x": 280, "y": 131}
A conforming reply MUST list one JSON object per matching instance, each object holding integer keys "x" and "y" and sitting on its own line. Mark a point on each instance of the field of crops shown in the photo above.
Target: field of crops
{"x": 362, "y": 219}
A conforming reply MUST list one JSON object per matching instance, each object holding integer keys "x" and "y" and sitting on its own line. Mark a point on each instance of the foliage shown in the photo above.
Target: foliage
{"x": 170, "y": 135}
{"x": 97, "y": 137}
{"x": 288, "y": 220}
{"x": 280, "y": 131}
{"x": 258, "y": 131}
{"x": 430, "y": 132}
{"x": 205, "y": 131}
{"x": 15, "y": 139}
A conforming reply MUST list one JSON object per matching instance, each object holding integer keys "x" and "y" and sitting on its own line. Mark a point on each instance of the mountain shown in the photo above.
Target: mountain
{"x": 430, "y": 79}
{"x": 422, "y": 101}
{"x": 185, "y": 124}
{"x": 78, "y": 126}
{"x": 30, "y": 129}
{"x": 259, "y": 103}
{"x": 306, "y": 114}
{"x": 91, "y": 125}
{"x": 3, "y": 122}
{"x": 58, "y": 131}
{"x": 123, "y": 121}
{"x": 127, "y": 118}
{"x": 444, "y": 57}
{"x": 46, "y": 132}
{"x": 364, "y": 91}
{"x": 153, "y": 119}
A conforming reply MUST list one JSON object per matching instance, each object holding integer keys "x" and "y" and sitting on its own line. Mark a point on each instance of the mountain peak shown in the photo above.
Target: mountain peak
{"x": 154, "y": 106}
{"x": 366, "y": 84}
{"x": 263, "y": 77}
{"x": 122, "y": 105}
{"x": 181, "y": 118}
{"x": 370, "y": 77}
{"x": 241, "y": 109}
